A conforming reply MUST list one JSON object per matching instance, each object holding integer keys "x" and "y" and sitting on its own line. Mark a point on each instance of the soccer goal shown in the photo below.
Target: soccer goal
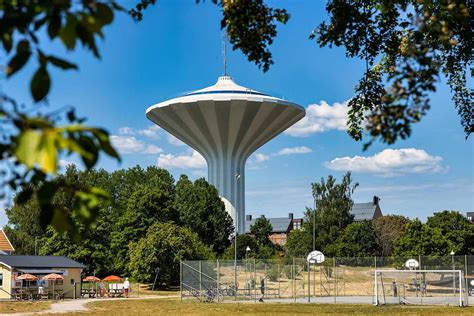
{"x": 421, "y": 287}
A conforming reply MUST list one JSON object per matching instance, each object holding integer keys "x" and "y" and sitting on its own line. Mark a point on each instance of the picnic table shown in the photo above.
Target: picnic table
{"x": 88, "y": 292}
{"x": 116, "y": 290}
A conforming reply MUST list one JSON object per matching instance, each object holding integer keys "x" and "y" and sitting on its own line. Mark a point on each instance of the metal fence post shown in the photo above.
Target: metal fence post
{"x": 294, "y": 279}
{"x": 335, "y": 279}
{"x": 309, "y": 282}
{"x": 218, "y": 276}
{"x": 255, "y": 279}
{"x": 466, "y": 280}
{"x": 200, "y": 280}
{"x": 181, "y": 280}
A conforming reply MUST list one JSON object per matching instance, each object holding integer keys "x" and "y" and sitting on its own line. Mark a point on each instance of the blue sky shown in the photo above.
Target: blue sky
{"x": 178, "y": 47}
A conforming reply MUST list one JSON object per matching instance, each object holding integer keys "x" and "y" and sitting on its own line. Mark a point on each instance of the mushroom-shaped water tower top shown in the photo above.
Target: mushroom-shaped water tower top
{"x": 226, "y": 123}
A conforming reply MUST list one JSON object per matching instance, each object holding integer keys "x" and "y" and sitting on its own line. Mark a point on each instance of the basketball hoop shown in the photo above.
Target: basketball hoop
{"x": 315, "y": 257}
{"x": 412, "y": 264}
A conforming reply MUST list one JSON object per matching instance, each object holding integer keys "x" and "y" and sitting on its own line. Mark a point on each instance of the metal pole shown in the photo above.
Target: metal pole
{"x": 309, "y": 282}
{"x": 314, "y": 279}
{"x": 200, "y": 280}
{"x": 335, "y": 277}
{"x": 235, "y": 265}
{"x": 294, "y": 279}
{"x": 255, "y": 279}
{"x": 460, "y": 289}
{"x": 376, "y": 289}
{"x": 454, "y": 279}
{"x": 181, "y": 280}
{"x": 218, "y": 277}
{"x": 314, "y": 225}
{"x": 465, "y": 278}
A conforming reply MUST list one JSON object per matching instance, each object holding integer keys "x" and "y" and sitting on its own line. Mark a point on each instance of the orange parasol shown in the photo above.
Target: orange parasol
{"x": 112, "y": 278}
{"x": 27, "y": 277}
{"x": 91, "y": 278}
{"x": 53, "y": 276}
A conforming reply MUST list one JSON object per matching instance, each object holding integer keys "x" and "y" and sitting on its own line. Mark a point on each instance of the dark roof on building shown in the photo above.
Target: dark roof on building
{"x": 40, "y": 262}
{"x": 363, "y": 211}
{"x": 279, "y": 224}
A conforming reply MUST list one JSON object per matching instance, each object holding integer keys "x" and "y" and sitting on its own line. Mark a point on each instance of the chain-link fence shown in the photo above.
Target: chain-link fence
{"x": 336, "y": 280}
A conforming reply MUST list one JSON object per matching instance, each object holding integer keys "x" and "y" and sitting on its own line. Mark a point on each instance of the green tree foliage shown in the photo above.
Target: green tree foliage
{"x": 200, "y": 208}
{"x": 357, "y": 240}
{"x": 407, "y": 45}
{"x": 24, "y": 226}
{"x": 388, "y": 228}
{"x": 421, "y": 239}
{"x": 141, "y": 199}
{"x": 164, "y": 246}
{"x": 243, "y": 241}
{"x": 146, "y": 206}
{"x": 262, "y": 229}
{"x": 457, "y": 229}
{"x": 334, "y": 203}
{"x": 299, "y": 242}
{"x": 32, "y": 144}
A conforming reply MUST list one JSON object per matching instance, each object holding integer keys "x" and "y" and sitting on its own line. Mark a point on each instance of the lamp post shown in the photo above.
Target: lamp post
{"x": 454, "y": 280}
{"x": 236, "y": 221}
{"x": 314, "y": 224}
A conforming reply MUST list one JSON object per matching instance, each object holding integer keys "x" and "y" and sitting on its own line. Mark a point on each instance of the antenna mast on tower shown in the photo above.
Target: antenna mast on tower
{"x": 224, "y": 50}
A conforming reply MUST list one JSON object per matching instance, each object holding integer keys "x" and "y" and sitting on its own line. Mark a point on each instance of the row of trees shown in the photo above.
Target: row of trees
{"x": 336, "y": 234}
{"x": 153, "y": 222}
{"x": 157, "y": 222}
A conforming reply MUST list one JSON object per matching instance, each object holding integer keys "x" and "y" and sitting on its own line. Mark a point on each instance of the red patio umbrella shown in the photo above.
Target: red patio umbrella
{"x": 112, "y": 278}
{"x": 27, "y": 277}
{"x": 91, "y": 278}
{"x": 53, "y": 277}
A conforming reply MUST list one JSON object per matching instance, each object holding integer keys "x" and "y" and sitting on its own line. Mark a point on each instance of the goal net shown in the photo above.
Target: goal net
{"x": 421, "y": 287}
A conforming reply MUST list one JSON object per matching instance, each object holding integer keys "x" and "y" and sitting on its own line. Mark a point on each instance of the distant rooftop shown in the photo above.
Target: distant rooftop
{"x": 279, "y": 224}
{"x": 5, "y": 244}
{"x": 40, "y": 262}
{"x": 366, "y": 211}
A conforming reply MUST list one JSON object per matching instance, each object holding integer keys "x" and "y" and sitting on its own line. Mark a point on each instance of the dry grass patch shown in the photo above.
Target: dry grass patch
{"x": 9, "y": 307}
{"x": 175, "y": 307}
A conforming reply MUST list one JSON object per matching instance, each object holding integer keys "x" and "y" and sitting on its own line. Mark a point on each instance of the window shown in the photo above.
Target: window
{"x": 1, "y": 279}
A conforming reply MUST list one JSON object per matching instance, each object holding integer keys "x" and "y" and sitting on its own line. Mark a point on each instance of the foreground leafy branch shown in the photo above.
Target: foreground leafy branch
{"x": 31, "y": 145}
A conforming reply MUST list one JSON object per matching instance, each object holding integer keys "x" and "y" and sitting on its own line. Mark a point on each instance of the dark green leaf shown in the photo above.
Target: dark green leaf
{"x": 17, "y": 62}
{"x": 40, "y": 84}
{"x": 68, "y": 33}
{"x": 54, "y": 26}
{"x": 61, "y": 63}
{"x": 24, "y": 195}
{"x": 7, "y": 41}
{"x": 23, "y": 53}
{"x": 104, "y": 13}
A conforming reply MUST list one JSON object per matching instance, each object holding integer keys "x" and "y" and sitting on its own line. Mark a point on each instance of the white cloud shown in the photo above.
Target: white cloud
{"x": 261, "y": 157}
{"x": 127, "y": 144}
{"x": 126, "y": 131}
{"x": 191, "y": 161}
{"x": 152, "y": 132}
{"x": 320, "y": 118}
{"x": 390, "y": 162}
{"x": 175, "y": 141}
{"x": 293, "y": 150}
{"x": 152, "y": 150}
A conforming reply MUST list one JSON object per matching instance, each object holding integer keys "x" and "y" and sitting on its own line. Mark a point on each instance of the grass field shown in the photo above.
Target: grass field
{"x": 175, "y": 307}
{"x": 7, "y": 307}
